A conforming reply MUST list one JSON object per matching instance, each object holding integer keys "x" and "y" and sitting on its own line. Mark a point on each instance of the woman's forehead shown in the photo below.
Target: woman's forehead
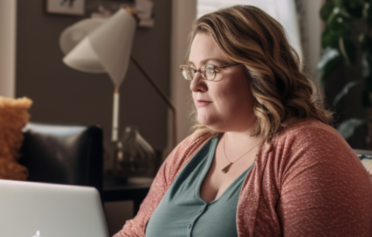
{"x": 204, "y": 49}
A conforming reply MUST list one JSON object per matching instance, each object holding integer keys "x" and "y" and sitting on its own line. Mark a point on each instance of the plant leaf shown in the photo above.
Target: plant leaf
{"x": 368, "y": 83}
{"x": 347, "y": 49}
{"x": 339, "y": 23}
{"x": 366, "y": 64}
{"x": 328, "y": 55}
{"x": 347, "y": 127}
{"x": 340, "y": 3}
{"x": 329, "y": 39}
{"x": 367, "y": 13}
{"x": 366, "y": 43}
{"x": 329, "y": 61}
{"x": 345, "y": 91}
{"x": 329, "y": 68}
{"x": 354, "y": 8}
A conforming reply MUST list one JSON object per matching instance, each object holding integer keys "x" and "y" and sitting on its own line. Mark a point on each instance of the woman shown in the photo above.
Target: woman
{"x": 262, "y": 161}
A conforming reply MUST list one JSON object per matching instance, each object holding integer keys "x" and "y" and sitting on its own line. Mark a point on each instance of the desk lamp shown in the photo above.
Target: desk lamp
{"x": 104, "y": 46}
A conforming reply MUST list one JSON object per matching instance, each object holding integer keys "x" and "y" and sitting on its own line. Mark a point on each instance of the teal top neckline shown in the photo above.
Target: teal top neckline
{"x": 182, "y": 211}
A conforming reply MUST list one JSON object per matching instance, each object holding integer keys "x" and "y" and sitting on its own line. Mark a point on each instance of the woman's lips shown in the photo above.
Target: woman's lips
{"x": 202, "y": 103}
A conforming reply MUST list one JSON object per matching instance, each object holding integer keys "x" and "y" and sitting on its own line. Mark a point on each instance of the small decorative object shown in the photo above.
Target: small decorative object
{"x": 69, "y": 7}
{"x": 13, "y": 117}
{"x": 134, "y": 157}
{"x": 105, "y": 8}
{"x": 144, "y": 9}
{"x": 102, "y": 13}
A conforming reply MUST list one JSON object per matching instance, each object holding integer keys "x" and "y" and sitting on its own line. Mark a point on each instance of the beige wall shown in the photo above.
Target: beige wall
{"x": 314, "y": 32}
{"x": 183, "y": 14}
{"x": 7, "y": 47}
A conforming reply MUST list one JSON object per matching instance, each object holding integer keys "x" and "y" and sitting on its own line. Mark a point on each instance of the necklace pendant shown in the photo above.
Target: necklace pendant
{"x": 226, "y": 169}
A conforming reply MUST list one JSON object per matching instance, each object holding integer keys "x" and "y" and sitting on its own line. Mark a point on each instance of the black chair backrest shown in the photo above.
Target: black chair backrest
{"x": 64, "y": 154}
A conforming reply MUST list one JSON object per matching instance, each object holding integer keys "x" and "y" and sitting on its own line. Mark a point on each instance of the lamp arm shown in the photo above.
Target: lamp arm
{"x": 162, "y": 95}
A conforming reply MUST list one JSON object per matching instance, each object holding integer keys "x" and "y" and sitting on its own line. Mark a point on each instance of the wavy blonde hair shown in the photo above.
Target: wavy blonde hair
{"x": 282, "y": 92}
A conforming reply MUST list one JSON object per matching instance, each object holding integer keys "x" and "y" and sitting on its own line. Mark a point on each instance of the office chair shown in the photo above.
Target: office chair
{"x": 64, "y": 154}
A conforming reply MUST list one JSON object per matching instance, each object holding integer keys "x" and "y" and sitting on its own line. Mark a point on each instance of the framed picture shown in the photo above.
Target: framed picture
{"x": 69, "y": 7}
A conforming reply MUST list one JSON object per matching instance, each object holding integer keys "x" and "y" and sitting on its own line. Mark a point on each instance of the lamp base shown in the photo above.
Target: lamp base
{"x": 129, "y": 157}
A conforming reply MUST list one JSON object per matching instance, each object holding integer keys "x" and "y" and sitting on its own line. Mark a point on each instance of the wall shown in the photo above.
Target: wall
{"x": 183, "y": 14}
{"x": 314, "y": 31}
{"x": 7, "y": 47}
{"x": 66, "y": 96}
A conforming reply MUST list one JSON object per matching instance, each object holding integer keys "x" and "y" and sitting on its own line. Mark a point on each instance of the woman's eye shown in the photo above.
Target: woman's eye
{"x": 210, "y": 70}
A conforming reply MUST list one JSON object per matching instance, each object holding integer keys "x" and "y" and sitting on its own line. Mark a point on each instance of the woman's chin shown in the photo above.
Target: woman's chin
{"x": 211, "y": 123}
{"x": 205, "y": 120}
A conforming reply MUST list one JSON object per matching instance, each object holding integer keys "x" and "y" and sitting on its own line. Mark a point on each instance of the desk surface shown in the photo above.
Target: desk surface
{"x": 135, "y": 189}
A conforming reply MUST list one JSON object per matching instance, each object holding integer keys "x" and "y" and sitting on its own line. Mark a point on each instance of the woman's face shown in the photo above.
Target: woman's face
{"x": 222, "y": 105}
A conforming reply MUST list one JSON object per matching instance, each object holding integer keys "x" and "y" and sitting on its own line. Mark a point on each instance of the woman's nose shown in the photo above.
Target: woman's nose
{"x": 198, "y": 83}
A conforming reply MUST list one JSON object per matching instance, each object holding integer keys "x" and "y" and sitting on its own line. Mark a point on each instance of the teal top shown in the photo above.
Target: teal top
{"x": 182, "y": 212}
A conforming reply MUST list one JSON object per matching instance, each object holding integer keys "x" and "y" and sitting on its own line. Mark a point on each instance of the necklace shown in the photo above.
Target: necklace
{"x": 226, "y": 169}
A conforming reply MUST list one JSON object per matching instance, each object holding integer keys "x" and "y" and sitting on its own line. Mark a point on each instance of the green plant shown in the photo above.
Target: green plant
{"x": 342, "y": 49}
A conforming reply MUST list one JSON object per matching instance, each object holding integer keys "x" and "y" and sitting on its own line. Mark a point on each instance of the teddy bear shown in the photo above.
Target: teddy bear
{"x": 13, "y": 117}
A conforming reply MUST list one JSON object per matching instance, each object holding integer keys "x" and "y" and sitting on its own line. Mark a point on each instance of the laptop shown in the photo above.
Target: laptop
{"x": 29, "y": 209}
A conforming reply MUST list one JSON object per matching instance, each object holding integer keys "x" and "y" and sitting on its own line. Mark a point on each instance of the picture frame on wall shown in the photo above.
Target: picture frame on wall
{"x": 68, "y": 7}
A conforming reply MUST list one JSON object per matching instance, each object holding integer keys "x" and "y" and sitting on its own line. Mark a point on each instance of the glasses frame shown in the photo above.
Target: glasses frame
{"x": 203, "y": 71}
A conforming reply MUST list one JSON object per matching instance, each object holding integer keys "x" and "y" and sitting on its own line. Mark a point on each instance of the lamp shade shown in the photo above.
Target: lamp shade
{"x": 106, "y": 48}
{"x": 73, "y": 34}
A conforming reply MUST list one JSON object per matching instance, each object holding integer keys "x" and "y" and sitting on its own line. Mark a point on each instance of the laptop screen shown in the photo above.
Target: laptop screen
{"x": 30, "y": 209}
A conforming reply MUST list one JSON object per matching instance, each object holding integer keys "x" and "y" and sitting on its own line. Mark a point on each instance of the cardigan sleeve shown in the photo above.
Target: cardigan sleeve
{"x": 164, "y": 178}
{"x": 324, "y": 189}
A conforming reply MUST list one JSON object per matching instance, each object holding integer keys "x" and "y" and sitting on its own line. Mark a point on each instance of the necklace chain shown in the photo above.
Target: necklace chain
{"x": 226, "y": 168}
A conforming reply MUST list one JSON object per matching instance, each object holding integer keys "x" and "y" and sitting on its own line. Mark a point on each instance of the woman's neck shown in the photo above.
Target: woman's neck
{"x": 238, "y": 139}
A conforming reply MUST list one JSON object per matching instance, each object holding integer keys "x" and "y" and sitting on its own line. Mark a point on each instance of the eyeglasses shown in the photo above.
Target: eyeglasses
{"x": 207, "y": 71}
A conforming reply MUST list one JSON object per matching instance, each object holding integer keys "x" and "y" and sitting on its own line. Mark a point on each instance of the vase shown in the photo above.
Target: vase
{"x": 134, "y": 157}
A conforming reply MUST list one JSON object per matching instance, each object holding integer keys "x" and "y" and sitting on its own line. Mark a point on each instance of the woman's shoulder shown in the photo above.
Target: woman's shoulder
{"x": 309, "y": 129}
{"x": 311, "y": 148}
{"x": 310, "y": 134}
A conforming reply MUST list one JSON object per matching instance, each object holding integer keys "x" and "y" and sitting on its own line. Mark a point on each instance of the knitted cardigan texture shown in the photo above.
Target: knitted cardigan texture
{"x": 306, "y": 182}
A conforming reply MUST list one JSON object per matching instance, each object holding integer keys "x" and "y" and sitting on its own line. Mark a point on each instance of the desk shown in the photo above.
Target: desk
{"x": 136, "y": 190}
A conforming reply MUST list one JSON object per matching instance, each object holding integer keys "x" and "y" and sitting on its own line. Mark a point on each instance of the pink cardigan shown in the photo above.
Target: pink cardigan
{"x": 306, "y": 182}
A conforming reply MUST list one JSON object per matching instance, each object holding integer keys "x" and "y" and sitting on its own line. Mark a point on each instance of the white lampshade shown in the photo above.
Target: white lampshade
{"x": 84, "y": 58}
{"x": 73, "y": 34}
{"x": 102, "y": 46}
{"x": 106, "y": 48}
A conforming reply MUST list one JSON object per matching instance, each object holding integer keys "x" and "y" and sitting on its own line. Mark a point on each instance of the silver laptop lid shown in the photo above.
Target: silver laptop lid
{"x": 30, "y": 209}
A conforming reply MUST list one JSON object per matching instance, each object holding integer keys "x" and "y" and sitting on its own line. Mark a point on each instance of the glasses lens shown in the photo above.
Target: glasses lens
{"x": 190, "y": 73}
{"x": 187, "y": 72}
{"x": 210, "y": 72}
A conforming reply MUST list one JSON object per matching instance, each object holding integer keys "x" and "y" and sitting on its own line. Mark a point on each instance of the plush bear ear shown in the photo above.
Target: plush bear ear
{"x": 13, "y": 112}
{"x": 13, "y": 117}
